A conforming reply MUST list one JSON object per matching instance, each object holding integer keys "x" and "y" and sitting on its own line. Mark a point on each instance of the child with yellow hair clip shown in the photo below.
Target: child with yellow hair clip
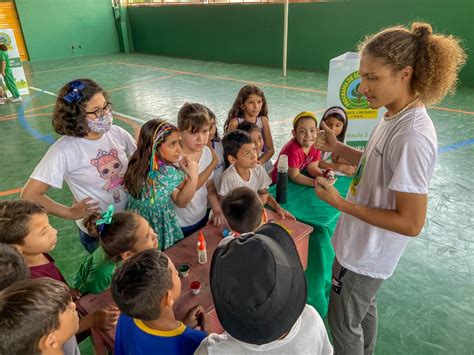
{"x": 302, "y": 155}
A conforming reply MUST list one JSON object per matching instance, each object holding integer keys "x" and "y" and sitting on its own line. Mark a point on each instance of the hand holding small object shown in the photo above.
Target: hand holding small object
{"x": 326, "y": 139}
{"x": 326, "y": 192}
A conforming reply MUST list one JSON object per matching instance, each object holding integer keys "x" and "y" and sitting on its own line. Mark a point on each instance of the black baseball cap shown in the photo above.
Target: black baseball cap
{"x": 258, "y": 285}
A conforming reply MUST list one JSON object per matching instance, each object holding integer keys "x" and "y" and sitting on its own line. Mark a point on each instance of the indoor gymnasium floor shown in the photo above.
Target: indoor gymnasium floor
{"x": 426, "y": 307}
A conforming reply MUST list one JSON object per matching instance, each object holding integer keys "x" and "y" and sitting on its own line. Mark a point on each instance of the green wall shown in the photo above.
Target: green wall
{"x": 52, "y": 27}
{"x": 252, "y": 34}
{"x": 238, "y": 34}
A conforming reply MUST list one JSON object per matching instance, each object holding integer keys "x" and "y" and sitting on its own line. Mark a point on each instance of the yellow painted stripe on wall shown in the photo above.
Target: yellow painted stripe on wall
{"x": 9, "y": 19}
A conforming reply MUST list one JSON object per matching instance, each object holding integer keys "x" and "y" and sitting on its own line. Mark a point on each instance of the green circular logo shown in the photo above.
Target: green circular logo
{"x": 349, "y": 93}
{"x": 5, "y": 39}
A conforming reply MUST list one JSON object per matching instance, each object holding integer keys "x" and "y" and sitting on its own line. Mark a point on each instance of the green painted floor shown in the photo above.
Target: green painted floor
{"x": 427, "y": 305}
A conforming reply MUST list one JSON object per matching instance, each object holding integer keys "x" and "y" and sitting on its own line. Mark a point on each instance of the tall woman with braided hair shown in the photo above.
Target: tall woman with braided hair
{"x": 402, "y": 70}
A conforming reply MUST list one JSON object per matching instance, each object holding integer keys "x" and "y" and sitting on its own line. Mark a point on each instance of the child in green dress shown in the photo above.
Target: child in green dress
{"x": 156, "y": 175}
{"x": 121, "y": 235}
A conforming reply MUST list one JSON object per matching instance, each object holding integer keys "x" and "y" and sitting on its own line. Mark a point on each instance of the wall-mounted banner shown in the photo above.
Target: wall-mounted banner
{"x": 343, "y": 91}
{"x": 7, "y": 37}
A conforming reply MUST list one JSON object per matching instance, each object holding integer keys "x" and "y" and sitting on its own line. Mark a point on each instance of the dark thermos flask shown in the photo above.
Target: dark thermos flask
{"x": 282, "y": 179}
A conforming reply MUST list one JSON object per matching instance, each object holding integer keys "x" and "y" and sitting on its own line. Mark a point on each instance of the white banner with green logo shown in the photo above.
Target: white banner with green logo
{"x": 7, "y": 37}
{"x": 343, "y": 91}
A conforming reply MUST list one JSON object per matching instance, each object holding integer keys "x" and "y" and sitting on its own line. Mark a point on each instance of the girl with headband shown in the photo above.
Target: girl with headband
{"x": 336, "y": 119}
{"x": 156, "y": 175}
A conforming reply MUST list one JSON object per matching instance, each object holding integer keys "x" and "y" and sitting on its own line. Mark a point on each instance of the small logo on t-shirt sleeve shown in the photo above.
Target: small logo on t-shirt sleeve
{"x": 378, "y": 153}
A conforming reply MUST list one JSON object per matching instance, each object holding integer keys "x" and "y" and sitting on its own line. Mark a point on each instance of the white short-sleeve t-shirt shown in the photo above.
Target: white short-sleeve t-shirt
{"x": 91, "y": 168}
{"x": 307, "y": 336}
{"x": 197, "y": 208}
{"x": 230, "y": 180}
{"x": 399, "y": 157}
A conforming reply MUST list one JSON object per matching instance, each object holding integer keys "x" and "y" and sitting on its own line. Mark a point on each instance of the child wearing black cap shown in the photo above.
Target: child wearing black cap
{"x": 263, "y": 309}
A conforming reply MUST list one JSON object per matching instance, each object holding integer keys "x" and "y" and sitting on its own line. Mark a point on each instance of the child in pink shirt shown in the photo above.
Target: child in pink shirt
{"x": 302, "y": 155}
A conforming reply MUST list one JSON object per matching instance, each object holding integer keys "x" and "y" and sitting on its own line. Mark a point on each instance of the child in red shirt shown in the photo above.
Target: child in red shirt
{"x": 302, "y": 155}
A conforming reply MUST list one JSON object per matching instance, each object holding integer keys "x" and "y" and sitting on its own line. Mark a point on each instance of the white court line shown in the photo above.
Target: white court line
{"x": 133, "y": 118}
{"x": 40, "y": 90}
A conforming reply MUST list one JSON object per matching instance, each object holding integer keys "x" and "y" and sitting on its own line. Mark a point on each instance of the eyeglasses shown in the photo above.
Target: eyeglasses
{"x": 101, "y": 111}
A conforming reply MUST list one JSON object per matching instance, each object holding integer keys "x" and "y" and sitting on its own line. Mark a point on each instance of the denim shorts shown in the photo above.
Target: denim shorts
{"x": 187, "y": 231}
{"x": 88, "y": 242}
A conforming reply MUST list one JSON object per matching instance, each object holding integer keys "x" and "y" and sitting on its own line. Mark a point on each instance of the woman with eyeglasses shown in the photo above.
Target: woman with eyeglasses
{"x": 91, "y": 156}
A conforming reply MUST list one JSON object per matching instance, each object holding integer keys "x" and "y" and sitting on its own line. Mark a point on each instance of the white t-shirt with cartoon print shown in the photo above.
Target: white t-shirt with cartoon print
{"x": 399, "y": 157}
{"x": 197, "y": 208}
{"x": 91, "y": 168}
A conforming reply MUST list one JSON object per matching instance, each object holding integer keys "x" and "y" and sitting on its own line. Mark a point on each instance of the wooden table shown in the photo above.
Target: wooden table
{"x": 185, "y": 252}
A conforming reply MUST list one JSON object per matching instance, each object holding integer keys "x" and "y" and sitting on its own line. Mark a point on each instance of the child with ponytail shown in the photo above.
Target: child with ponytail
{"x": 402, "y": 70}
{"x": 121, "y": 235}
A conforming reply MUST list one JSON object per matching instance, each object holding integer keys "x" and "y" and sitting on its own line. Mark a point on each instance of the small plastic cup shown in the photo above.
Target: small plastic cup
{"x": 225, "y": 232}
{"x": 195, "y": 287}
{"x": 183, "y": 270}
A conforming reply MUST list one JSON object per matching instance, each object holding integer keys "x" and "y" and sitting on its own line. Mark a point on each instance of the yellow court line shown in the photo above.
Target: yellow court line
{"x": 451, "y": 110}
{"x": 143, "y": 82}
{"x": 296, "y": 88}
{"x": 38, "y": 114}
{"x": 15, "y": 115}
{"x": 9, "y": 192}
{"x": 68, "y": 68}
{"x": 182, "y": 72}
{"x": 136, "y": 127}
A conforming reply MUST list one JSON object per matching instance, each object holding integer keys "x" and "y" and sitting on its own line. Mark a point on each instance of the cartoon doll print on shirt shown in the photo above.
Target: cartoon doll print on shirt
{"x": 109, "y": 167}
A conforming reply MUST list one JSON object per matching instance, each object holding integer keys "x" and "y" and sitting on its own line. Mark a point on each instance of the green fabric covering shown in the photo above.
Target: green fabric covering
{"x": 303, "y": 203}
{"x": 95, "y": 273}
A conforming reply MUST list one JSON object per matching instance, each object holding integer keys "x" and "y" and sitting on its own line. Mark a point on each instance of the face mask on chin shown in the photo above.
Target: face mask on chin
{"x": 101, "y": 124}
